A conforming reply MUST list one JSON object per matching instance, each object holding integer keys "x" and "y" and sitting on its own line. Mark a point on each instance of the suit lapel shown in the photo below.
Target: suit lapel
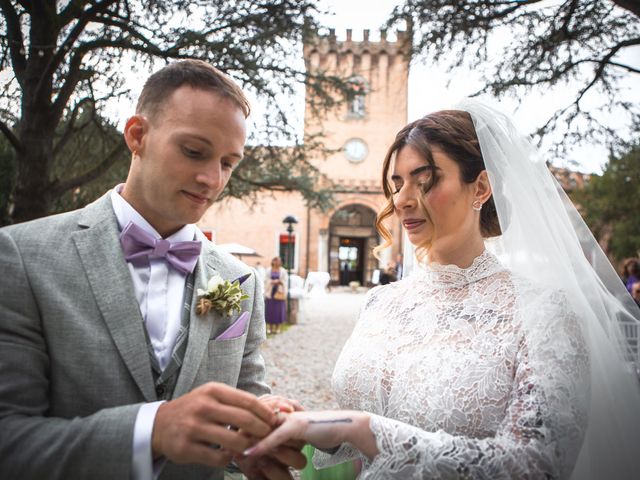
{"x": 113, "y": 290}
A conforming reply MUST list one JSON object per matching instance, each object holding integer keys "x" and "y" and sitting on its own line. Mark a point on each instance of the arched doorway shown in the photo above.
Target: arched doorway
{"x": 352, "y": 236}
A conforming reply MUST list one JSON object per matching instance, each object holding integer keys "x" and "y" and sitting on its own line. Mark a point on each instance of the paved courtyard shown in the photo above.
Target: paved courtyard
{"x": 300, "y": 361}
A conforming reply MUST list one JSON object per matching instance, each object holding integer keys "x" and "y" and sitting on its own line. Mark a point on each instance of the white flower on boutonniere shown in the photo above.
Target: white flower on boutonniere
{"x": 221, "y": 295}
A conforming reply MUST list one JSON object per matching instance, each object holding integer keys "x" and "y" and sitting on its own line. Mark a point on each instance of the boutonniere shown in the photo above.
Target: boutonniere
{"x": 221, "y": 295}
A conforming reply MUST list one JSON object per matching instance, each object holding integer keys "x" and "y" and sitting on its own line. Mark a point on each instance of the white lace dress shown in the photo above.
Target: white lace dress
{"x": 470, "y": 373}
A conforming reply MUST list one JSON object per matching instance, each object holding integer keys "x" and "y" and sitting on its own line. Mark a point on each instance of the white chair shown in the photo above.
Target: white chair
{"x": 316, "y": 283}
{"x": 631, "y": 334}
{"x": 297, "y": 289}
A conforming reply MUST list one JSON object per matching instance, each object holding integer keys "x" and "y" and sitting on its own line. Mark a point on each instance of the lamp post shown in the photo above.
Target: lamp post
{"x": 290, "y": 220}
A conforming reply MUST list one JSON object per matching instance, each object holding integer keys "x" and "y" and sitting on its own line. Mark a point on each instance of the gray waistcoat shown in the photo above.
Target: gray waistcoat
{"x": 165, "y": 380}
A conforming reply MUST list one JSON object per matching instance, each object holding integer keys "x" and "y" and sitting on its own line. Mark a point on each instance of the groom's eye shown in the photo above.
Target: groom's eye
{"x": 191, "y": 152}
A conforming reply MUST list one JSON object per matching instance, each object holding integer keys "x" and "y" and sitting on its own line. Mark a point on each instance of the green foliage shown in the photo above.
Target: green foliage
{"x": 91, "y": 140}
{"x": 342, "y": 471}
{"x": 610, "y": 204}
{"x": 287, "y": 169}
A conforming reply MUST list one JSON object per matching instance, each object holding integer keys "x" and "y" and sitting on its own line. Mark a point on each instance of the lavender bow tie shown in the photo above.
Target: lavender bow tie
{"x": 139, "y": 245}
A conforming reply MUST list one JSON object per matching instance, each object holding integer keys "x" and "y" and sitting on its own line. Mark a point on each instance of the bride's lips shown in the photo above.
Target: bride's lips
{"x": 413, "y": 223}
{"x": 194, "y": 197}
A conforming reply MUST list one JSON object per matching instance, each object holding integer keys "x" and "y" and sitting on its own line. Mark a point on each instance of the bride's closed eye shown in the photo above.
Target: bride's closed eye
{"x": 425, "y": 177}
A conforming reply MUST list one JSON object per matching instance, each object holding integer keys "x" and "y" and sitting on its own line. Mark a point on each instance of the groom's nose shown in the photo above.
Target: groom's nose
{"x": 212, "y": 176}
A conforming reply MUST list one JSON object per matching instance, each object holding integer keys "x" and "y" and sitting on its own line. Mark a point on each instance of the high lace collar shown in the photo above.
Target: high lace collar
{"x": 483, "y": 266}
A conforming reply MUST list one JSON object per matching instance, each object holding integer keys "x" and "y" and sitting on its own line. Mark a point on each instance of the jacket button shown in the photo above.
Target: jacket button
{"x": 160, "y": 389}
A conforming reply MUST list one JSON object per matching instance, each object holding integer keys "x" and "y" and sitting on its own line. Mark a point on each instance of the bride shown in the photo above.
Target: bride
{"x": 500, "y": 355}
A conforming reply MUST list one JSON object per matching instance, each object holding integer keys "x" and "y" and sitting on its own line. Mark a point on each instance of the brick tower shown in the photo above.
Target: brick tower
{"x": 363, "y": 129}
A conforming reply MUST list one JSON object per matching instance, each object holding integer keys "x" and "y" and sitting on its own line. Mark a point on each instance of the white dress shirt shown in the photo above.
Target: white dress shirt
{"x": 159, "y": 290}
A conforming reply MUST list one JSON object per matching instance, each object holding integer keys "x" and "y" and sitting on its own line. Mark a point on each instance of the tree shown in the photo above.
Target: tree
{"x": 7, "y": 174}
{"x": 91, "y": 140}
{"x": 610, "y": 204}
{"x": 70, "y": 59}
{"x": 580, "y": 43}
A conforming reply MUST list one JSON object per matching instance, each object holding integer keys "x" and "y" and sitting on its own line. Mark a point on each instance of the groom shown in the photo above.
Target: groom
{"x": 107, "y": 368}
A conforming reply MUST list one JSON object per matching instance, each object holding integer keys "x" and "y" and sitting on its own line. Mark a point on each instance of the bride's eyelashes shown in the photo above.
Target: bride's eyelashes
{"x": 424, "y": 185}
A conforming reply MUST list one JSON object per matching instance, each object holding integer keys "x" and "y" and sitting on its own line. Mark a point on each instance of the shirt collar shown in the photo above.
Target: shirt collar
{"x": 125, "y": 213}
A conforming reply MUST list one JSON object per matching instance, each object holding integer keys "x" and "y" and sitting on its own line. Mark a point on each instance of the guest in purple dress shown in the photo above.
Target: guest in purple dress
{"x": 631, "y": 273}
{"x": 275, "y": 295}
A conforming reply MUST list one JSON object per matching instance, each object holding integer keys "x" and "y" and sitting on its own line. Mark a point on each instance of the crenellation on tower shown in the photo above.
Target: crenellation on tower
{"x": 349, "y": 35}
{"x": 377, "y": 69}
{"x": 323, "y": 44}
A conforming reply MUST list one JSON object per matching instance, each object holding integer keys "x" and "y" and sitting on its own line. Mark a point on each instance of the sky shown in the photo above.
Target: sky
{"x": 432, "y": 89}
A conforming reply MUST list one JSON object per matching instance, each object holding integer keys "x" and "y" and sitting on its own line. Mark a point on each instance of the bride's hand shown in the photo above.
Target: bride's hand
{"x": 325, "y": 430}
{"x": 278, "y": 403}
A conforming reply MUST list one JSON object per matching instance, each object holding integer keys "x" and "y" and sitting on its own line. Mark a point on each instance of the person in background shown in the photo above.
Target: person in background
{"x": 399, "y": 267}
{"x": 388, "y": 275}
{"x": 275, "y": 295}
{"x": 635, "y": 292}
{"x": 261, "y": 271}
{"x": 631, "y": 273}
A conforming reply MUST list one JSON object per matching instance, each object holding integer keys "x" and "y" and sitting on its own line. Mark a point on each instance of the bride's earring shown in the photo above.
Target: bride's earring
{"x": 477, "y": 205}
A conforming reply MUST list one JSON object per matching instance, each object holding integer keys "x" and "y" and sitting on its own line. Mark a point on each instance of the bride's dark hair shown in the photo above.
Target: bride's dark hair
{"x": 451, "y": 131}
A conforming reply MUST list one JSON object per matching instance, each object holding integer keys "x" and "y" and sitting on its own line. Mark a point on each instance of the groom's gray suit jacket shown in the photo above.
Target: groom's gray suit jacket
{"x": 74, "y": 364}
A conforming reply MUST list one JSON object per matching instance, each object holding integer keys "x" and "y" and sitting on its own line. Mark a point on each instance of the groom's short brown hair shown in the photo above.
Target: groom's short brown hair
{"x": 194, "y": 73}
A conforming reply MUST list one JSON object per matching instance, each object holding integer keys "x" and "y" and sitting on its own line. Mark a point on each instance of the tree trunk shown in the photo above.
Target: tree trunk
{"x": 7, "y": 180}
{"x": 32, "y": 198}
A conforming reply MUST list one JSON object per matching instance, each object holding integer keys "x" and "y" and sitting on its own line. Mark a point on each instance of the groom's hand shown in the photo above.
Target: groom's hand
{"x": 185, "y": 429}
{"x": 275, "y": 464}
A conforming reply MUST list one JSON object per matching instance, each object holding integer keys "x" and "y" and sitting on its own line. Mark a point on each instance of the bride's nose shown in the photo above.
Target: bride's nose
{"x": 406, "y": 199}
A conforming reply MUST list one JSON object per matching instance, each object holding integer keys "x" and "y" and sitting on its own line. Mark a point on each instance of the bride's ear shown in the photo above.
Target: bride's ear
{"x": 482, "y": 187}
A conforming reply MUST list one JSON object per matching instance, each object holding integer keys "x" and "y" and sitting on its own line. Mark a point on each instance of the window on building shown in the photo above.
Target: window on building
{"x": 210, "y": 234}
{"x": 287, "y": 251}
{"x": 360, "y": 87}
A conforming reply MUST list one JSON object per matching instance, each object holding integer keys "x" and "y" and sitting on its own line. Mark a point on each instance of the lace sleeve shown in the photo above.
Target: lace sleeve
{"x": 543, "y": 426}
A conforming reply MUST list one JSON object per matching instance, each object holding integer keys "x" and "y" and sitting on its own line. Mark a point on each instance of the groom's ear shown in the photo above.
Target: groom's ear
{"x": 134, "y": 133}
